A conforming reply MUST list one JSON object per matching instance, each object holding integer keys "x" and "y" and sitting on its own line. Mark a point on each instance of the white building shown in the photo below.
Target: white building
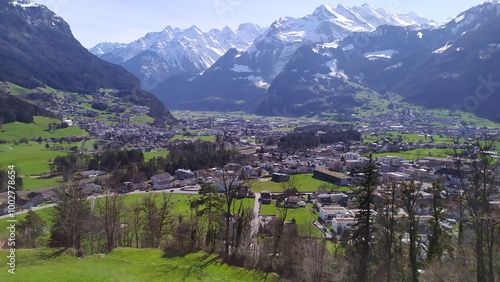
{"x": 328, "y": 213}
{"x": 68, "y": 122}
{"x": 162, "y": 181}
{"x": 340, "y": 224}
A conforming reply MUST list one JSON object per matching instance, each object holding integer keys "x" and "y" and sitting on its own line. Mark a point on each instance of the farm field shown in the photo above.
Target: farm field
{"x": 415, "y": 138}
{"x": 32, "y": 159}
{"x": 305, "y": 183}
{"x": 124, "y": 264}
{"x": 228, "y": 115}
{"x": 151, "y": 155}
{"x": 202, "y": 138}
{"x": 39, "y": 128}
{"x": 417, "y": 154}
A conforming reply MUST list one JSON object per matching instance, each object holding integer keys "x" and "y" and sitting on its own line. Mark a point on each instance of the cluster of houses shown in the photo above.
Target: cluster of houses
{"x": 28, "y": 200}
{"x": 181, "y": 178}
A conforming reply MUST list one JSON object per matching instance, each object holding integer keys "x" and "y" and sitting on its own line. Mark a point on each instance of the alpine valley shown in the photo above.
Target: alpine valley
{"x": 330, "y": 62}
{"x": 38, "y": 53}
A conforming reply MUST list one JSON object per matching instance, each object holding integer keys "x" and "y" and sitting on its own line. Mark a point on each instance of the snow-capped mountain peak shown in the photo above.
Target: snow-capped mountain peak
{"x": 173, "y": 51}
{"x": 324, "y": 11}
{"x": 325, "y": 25}
{"x": 24, "y": 3}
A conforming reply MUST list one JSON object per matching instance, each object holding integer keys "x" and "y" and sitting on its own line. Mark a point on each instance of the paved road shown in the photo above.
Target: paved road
{"x": 256, "y": 215}
{"x": 25, "y": 211}
{"x": 255, "y": 225}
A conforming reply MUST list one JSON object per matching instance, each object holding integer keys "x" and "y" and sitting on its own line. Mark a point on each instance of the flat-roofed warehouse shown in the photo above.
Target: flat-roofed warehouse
{"x": 331, "y": 176}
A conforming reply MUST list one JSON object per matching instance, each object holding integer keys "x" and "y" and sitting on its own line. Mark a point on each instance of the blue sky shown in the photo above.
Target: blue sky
{"x": 94, "y": 21}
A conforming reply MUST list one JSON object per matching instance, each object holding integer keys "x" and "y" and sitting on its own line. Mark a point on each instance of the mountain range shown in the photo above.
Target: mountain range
{"x": 174, "y": 51}
{"x": 159, "y": 56}
{"x": 453, "y": 67}
{"x": 319, "y": 62}
{"x": 37, "y": 49}
{"x": 297, "y": 66}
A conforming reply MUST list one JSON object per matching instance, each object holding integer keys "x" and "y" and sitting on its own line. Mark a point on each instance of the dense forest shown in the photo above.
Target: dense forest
{"x": 14, "y": 109}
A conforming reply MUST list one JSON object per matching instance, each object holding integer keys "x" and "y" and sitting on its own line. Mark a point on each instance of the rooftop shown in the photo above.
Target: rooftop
{"x": 332, "y": 173}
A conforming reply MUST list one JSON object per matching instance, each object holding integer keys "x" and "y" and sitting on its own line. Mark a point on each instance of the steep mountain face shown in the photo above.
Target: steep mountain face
{"x": 37, "y": 48}
{"x": 254, "y": 68}
{"x": 173, "y": 51}
{"x": 454, "y": 66}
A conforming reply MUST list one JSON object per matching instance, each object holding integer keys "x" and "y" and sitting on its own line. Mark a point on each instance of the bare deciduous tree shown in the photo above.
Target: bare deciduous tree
{"x": 109, "y": 209}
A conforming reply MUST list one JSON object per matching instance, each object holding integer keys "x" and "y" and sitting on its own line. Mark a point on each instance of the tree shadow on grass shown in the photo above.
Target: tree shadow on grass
{"x": 169, "y": 253}
{"x": 209, "y": 262}
{"x": 53, "y": 255}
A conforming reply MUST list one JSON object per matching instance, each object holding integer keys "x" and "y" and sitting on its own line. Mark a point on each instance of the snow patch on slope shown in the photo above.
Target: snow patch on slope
{"x": 385, "y": 54}
{"x": 241, "y": 68}
{"x": 442, "y": 49}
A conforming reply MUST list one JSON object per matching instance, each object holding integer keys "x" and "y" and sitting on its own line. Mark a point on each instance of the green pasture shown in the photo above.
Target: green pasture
{"x": 39, "y": 128}
{"x": 151, "y": 155}
{"x": 124, "y": 264}
{"x": 418, "y": 154}
{"x": 305, "y": 183}
{"x": 302, "y": 216}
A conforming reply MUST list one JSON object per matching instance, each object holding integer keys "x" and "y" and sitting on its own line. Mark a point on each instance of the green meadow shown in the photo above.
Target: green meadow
{"x": 305, "y": 183}
{"x": 415, "y": 138}
{"x": 202, "y": 138}
{"x": 418, "y": 153}
{"x": 302, "y": 216}
{"x": 124, "y": 264}
{"x": 31, "y": 159}
{"x": 151, "y": 155}
{"x": 39, "y": 128}
{"x": 16, "y": 89}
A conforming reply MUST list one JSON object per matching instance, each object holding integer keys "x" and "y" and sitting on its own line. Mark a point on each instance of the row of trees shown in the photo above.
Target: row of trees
{"x": 310, "y": 138}
{"x": 131, "y": 163}
{"x": 214, "y": 224}
{"x": 4, "y": 180}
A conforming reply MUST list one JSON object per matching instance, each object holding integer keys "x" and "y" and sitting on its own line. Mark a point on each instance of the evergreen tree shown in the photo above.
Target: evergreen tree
{"x": 31, "y": 228}
{"x": 363, "y": 228}
{"x": 68, "y": 218}
{"x": 435, "y": 241}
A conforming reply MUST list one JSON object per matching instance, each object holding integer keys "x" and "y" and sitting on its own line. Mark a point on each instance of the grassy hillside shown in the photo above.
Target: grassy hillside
{"x": 39, "y": 128}
{"x": 124, "y": 265}
{"x": 32, "y": 159}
